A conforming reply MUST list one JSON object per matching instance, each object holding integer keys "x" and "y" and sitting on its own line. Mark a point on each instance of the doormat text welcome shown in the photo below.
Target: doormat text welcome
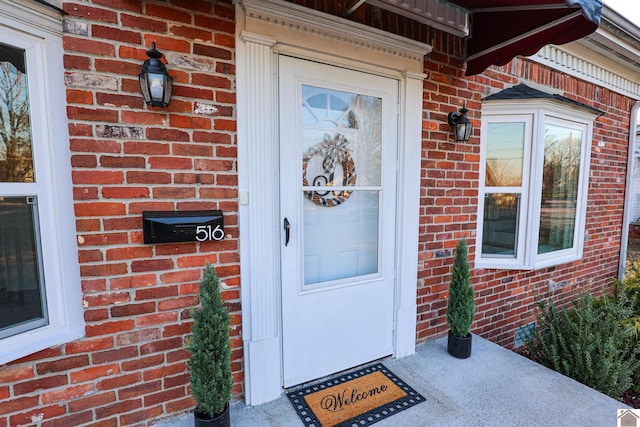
{"x": 357, "y": 398}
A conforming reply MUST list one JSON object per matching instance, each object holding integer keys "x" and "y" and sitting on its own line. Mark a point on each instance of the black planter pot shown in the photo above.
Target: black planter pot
{"x": 201, "y": 419}
{"x": 459, "y": 347}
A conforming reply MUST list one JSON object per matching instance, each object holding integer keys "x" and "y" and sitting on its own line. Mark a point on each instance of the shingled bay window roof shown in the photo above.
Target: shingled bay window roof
{"x": 498, "y": 30}
{"x": 524, "y": 92}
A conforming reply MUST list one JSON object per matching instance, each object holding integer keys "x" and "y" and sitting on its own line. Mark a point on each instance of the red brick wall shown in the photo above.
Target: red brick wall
{"x": 127, "y": 158}
{"x": 506, "y": 298}
{"x": 450, "y": 177}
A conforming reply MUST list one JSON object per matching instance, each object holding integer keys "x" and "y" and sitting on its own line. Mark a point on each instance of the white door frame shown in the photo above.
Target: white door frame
{"x": 264, "y": 29}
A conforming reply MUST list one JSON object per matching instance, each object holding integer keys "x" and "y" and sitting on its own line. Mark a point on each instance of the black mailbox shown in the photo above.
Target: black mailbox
{"x": 184, "y": 226}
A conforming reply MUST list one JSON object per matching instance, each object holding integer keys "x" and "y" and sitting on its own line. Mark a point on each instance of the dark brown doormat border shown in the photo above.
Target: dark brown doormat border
{"x": 373, "y": 392}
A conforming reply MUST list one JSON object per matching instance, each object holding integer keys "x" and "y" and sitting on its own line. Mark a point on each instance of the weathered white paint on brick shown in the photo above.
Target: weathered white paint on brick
{"x": 70, "y": 26}
{"x": 205, "y": 109}
{"x": 90, "y": 81}
{"x": 119, "y": 132}
{"x": 191, "y": 63}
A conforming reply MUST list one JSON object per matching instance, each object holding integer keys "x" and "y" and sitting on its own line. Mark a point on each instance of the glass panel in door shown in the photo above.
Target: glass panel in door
{"x": 341, "y": 183}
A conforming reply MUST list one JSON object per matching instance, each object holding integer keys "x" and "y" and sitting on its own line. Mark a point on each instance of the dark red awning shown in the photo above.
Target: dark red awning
{"x": 503, "y": 29}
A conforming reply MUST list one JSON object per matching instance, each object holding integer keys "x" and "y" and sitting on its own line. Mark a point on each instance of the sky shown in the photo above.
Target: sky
{"x": 630, "y": 9}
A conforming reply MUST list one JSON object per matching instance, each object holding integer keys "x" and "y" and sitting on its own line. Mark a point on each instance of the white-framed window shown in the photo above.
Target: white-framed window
{"x": 534, "y": 176}
{"x": 40, "y": 293}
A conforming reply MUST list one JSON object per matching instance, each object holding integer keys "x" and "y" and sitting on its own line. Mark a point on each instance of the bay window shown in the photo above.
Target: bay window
{"x": 535, "y": 156}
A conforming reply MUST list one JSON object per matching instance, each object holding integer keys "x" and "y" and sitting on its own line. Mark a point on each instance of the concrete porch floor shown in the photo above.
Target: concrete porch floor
{"x": 494, "y": 387}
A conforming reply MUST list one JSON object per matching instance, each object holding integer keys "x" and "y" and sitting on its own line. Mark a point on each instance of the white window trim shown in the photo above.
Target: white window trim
{"x": 543, "y": 111}
{"x": 41, "y": 35}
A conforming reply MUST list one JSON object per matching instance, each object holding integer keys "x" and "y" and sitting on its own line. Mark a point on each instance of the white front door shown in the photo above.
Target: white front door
{"x": 338, "y": 145}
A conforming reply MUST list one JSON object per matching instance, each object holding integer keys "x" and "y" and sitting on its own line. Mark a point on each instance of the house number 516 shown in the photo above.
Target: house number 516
{"x": 206, "y": 232}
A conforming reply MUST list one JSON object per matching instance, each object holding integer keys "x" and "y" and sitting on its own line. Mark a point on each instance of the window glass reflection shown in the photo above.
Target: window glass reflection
{"x": 500, "y": 228}
{"x": 342, "y": 242}
{"x": 342, "y": 152}
{"x": 16, "y": 154}
{"x": 505, "y": 154}
{"x": 22, "y": 304}
{"x": 354, "y": 122}
{"x": 562, "y": 151}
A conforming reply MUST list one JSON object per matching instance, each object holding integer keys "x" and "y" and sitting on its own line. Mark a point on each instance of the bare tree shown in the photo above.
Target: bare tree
{"x": 503, "y": 173}
{"x": 561, "y": 167}
{"x": 16, "y": 154}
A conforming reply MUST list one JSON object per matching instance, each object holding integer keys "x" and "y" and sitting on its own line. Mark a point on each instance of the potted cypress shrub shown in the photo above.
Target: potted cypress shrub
{"x": 461, "y": 307}
{"x": 210, "y": 363}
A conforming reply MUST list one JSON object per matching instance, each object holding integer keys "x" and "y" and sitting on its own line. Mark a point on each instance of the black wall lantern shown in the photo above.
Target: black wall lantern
{"x": 155, "y": 83}
{"x": 460, "y": 124}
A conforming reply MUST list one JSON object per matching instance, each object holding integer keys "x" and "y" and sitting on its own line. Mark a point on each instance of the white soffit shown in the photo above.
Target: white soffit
{"x": 609, "y": 57}
{"x": 30, "y": 13}
{"x": 55, "y": 4}
{"x": 617, "y": 38}
{"x": 435, "y": 13}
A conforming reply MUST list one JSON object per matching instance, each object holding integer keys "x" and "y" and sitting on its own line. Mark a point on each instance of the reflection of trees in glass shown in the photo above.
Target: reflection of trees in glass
{"x": 500, "y": 226}
{"x": 505, "y": 154}
{"x": 561, "y": 172}
{"x": 561, "y": 164}
{"x": 16, "y": 158}
{"x": 368, "y": 113}
{"x": 502, "y": 174}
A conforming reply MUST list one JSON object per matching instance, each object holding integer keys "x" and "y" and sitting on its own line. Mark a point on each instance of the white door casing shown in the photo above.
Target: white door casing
{"x": 338, "y": 148}
{"x": 266, "y": 28}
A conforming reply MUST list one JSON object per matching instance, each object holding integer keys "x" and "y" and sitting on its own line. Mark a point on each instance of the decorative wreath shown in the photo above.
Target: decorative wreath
{"x": 333, "y": 150}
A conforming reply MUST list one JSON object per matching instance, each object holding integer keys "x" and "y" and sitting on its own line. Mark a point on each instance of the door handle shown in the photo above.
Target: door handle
{"x": 287, "y": 231}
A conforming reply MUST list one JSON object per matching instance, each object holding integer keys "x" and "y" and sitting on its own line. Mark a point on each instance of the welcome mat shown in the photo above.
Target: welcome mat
{"x": 358, "y": 398}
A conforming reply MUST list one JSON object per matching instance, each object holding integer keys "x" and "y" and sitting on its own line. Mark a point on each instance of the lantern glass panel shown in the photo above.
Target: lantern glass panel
{"x": 168, "y": 89}
{"x": 156, "y": 86}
